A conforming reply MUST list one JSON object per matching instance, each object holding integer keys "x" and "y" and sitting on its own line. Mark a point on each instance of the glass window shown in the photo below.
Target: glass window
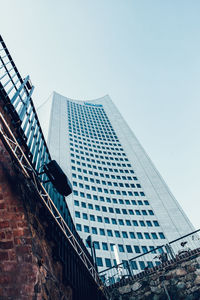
{"x": 124, "y": 234}
{"x": 155, "y": 223}
{"x": 135, "y": 223}
{"x": 104, "y": 246}
{"x": 147, "y": 235}
{"x": 154, "y": 236}
{"x": 99, "y": 262}
{"x": 132, "y": 235}
{"x": 161, "y": 235}
{"x": 109, "y": 232}
{"x": 137, "y": 249}
{"x": 117, "y": 233}
{"x": 99, "y": 219}
{"x": 129, "y": 249}
{"x": 108, "y": 262}
{"x": 78, "y": 227}
{"x": 139, "y": 235}
{"x": 121, "y": 248}
{"x": 85, "y": 217}
{"x": 134, "y": 265}
{"x": 96, "y": 245}
{"x": 144, "y": 249}
{"x": 102, "y": 231}
{"x": 86, "y": 229}
{"x": 151, "y": 212}
{"x": 94, "y": 230}
{"x": 107, "y": 221}
{"x": 149, "y": 224}
{"x": 114, "y": 221}
{"x": 77, "y": 214}
{"x": 128, "y": 222}
{"x": 92, "y": 218}
{"x": 142, "y": 265}
{"x": 121, "y": 222}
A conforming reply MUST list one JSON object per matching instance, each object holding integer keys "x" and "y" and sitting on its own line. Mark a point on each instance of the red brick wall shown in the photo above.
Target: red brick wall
{"x": 27, "y": 269}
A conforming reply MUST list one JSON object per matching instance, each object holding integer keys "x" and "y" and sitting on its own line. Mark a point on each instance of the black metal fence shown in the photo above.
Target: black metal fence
{"x": 153, "y": 260}
{"x": 15, "y": 97}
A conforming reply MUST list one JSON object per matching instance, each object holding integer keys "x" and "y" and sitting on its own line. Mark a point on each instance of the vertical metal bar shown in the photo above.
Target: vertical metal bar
{"x": 19, "y": 90}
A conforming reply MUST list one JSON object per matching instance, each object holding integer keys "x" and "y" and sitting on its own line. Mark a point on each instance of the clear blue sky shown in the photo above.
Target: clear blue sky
{"x": 145, "y": 54}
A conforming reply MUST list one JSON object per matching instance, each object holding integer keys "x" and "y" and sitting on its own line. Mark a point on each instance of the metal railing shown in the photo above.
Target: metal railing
{"x": 26, "y": 144}
{"x": 149, "y": 262}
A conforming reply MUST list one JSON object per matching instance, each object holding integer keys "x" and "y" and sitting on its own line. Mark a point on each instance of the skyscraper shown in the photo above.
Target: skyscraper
{"x": 118, "y": 195}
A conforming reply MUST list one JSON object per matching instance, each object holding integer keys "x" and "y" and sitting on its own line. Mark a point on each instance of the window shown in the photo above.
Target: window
{"x": 117, "y": 234}
{"x": 142, "y": 265}
{"x": 121, "y": 248}
{"x": 105, "y": 246}
{"x": 142, "y": 223}
{"x": 86, "y": 229}
{"x": 132, "y": 235}
{"x": 99, "y": 262}
{"x": 139, "y": 235}
{"x": 149, "y": 224}
{"x": 151, "y": 212}
{"x": 107, "y": 221}
{"x": 114, "y": 221}
{"x": 124, "y": 234}
{"x": 76, "y": 203}
{"x": 109, "y": 232}
{"x": 121, "y": 222}
{"x": 155, "y": 223}
{"x": 77, "y": 214}
{"x": 144, "y": 249}
{"x": 154, "y": 236}
{"x": 104, "y": 209}
{"x": 90, "y": 206}
{"x": 92, "y": 218}
{"x": 102, "y": 231}
{"x": 161, "y": 235}
{"x": 99, "y": 219}
{"x": 108, "y": 262}
{"x": 94, "y": 230}
{"x": 135, "y": 223}
{"x": 85, "y": 217}
{"x": 137, "y": 212}
{"x": 147, "y": 235}
{"x": 78, "y": 227}
{"x": 133, "y": 265}
{"x": 144, "y": 212}
{"x": 129, "y": 249}
{"x": 137, "y": 249}
{"x": 96, "y": 245}
{"x": 128, "y": 223}
{"x": 97, "y": 207}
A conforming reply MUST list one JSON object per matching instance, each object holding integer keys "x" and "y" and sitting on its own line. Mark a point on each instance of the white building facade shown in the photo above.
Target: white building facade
{"x": 119, "y": 198}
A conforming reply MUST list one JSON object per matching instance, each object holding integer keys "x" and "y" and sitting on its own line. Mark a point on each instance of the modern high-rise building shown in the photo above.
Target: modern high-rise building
{"x": 119, "y": 198}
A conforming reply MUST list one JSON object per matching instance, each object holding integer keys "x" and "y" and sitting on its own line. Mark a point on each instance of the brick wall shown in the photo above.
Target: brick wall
{"x": 27, "y": 267}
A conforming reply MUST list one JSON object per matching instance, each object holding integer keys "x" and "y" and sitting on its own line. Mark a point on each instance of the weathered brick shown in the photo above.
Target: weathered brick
{"x": 3, "y": 256}
{"x": 4, "y": 224}
{"x": 18, "y": 232}
{"x": 9, "y": 266}
{"x": 6, "y": 245}
{"x": 2, "y": 205}
{"x": 23, "y": 249}
{"x": 2, "y": 235}
{"x": 5, "y": 279}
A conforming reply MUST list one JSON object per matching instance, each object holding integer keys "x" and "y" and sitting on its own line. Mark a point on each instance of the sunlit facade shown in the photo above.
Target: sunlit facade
{"x": 119, "y": 198}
